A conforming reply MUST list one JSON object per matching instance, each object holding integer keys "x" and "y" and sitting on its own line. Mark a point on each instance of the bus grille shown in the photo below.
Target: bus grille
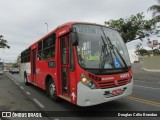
{"x": 111, "y": 84}
{"x": 94, "y": 77}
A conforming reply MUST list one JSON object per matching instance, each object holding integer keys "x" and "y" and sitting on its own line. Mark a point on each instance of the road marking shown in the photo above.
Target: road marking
{"x": 139, "y": 80}
{"x": 12, "y": 79}
{"x": 40, "y": 104}
{"x": 22, "y": 87}
{"x": 147, "y": 87}
{"x": 17, "y": 84}
{"x": 157, "y": 104}
{"x": 28, "y": 93}
{"x": 146, "y": 81}
{"x": 56, "y": 119}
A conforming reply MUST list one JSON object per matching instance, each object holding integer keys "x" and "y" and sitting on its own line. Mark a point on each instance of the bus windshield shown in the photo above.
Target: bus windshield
{"x": 100, "y": 48}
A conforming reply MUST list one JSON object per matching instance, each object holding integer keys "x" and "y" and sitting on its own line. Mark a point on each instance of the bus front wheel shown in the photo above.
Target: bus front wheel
{"x": 52, "y": 90}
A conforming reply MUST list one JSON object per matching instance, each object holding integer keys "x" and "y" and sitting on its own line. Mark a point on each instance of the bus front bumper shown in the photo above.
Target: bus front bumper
{"x": 89, "y": 97}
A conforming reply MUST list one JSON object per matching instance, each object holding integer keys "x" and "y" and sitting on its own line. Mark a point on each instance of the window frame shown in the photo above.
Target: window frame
{"x": 25, "y": 55}
{"x": 51, "y": 47}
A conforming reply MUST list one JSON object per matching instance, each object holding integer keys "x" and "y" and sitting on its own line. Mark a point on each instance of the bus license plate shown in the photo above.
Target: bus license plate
{"x": 117, "y": 92}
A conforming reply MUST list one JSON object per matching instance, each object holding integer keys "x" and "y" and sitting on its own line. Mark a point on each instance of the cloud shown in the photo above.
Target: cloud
{"x": 23, "y": 21}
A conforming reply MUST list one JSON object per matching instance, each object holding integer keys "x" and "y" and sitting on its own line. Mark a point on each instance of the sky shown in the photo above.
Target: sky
{"x": 22, "y": 22}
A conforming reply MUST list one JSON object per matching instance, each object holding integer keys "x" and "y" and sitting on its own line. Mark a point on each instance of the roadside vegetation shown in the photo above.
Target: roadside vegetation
{"x": 137, "y": 27}
{"x": 3, "y": 42}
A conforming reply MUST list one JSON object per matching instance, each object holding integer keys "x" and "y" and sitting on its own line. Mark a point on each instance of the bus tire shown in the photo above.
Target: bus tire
{"x": 51, "y": 90}
{"x": 26, "y": 80}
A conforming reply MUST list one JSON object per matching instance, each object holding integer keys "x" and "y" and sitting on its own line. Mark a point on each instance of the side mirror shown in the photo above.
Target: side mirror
{"x": 74, "y": 38}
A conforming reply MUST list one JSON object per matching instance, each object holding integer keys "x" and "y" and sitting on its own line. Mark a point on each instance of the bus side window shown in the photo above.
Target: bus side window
{"x": 25, "y": 56}
{"x": 39, "y": 56}
{"x": 49, "y": 47}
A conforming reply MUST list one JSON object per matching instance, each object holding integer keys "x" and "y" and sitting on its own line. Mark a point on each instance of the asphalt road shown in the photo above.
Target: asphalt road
{"x": 145, "y": 97}
{"x": 13, "y": 99}
{"x": 142, "y": 75}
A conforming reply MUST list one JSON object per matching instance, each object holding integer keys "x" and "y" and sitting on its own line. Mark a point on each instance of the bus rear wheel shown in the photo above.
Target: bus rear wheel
{"x": 51, "y": 90}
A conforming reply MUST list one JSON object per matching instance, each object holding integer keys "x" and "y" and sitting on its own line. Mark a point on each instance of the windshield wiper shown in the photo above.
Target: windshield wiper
{"x": 103, "y": 54}
{"x": 113, "y": 47}
{"x": 101, "y": 63}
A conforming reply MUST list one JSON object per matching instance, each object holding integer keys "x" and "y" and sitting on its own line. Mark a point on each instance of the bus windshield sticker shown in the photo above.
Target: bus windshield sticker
{"x": 92, "y": 58}
{"x": 117, "y": 63}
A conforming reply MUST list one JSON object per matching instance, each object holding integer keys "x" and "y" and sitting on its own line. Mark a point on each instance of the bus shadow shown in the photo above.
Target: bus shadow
{"x": 71, "y": 110}
{"x": 37, "y": 89}
{"x": 107, "y": 109}
{"x": 108, "y": 106}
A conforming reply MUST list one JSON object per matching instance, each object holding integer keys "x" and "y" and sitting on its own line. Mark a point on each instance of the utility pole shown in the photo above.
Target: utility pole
{"x": 47, "y": 26}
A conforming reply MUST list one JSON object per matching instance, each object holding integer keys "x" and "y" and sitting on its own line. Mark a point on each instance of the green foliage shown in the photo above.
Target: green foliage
{"x": 138, "y": 46}
{"x": 3, "y": 42}
{"x": 132, "y": 28}
{"x": 156, "y": 52}
{"x": 143, "y": 52}
{"x": 18, "y": 58}
{"x": 155, "y": 20}
{"x": 155, "y": 9}
{"x": 15, "y": 65}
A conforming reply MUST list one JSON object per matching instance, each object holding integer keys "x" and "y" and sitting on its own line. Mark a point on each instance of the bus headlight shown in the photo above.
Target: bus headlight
{"x": 86, "y": 81}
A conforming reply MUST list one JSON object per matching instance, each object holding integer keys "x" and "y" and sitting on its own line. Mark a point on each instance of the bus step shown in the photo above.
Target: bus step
{"x": 65, "y": 97}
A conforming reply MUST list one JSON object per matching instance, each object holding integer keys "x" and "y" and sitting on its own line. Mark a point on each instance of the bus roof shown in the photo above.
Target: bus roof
{"x": 69, "y": 24}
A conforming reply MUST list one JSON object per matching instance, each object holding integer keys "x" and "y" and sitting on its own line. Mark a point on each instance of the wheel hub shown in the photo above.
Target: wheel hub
{"x": 52, "y": 89}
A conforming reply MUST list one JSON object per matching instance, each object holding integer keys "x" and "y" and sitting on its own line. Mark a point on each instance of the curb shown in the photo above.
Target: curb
{"x": 151, "y": 70}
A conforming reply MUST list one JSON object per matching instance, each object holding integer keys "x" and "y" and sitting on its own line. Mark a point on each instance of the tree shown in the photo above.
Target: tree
{"x": 18, "y": 58}
{"x": 143, "y": 52}
{"x": 3, "y": 42}
{"x": 17, "y": 62}
{"x": 156, "y": 15}
{"x": 137, "y": 48}
{"x": 15, "y": 65}
{"x": 155, "y": 9}
{"x": 132, "y": 28}
{"x": 156, "y": 52}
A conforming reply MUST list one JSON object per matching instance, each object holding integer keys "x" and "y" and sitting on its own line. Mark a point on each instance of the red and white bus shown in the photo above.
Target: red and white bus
{"x": 83, "y": 63}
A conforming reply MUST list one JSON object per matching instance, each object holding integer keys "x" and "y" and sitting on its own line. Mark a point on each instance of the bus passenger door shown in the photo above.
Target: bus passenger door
{"x": 65, "y": 78}
{"x": 33, "y": 66}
